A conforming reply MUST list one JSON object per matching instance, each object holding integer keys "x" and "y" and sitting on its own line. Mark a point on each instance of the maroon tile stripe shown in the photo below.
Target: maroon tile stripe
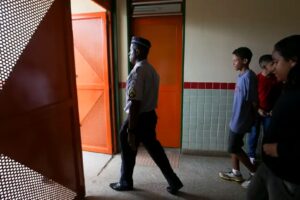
{"x": 122, "y": 84}
{"x": 200, "y": 85}
{"x": 209, "y": 85}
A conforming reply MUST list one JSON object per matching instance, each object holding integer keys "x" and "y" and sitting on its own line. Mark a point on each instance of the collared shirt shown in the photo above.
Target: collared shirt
{"x": 142, "y": 85}
{"x": 245, "y": 95}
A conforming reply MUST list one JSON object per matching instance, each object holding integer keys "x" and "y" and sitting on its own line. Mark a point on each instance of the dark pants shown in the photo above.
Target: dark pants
{"x": 146, "y": 134}
{"x": 235, "y": 142}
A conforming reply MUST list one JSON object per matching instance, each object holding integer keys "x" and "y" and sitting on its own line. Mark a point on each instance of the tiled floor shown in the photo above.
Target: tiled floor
{"x": 199, "y": 175}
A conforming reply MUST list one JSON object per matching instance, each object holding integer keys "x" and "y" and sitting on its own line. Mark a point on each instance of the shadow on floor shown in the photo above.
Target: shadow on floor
{"x": 199, "y": 175}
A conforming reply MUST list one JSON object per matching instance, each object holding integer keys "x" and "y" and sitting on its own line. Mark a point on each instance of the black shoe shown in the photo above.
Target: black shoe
{"x": 174, "y": 189}
{"x": 119, "y": 187}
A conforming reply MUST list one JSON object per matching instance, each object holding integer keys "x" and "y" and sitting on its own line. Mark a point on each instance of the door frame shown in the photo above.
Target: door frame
{"x": 112, "y": 55}
{"x": 130, "y": 33}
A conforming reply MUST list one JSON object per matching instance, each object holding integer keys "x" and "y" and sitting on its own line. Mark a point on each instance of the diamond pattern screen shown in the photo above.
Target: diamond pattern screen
{"x": 18, "y": 182}
{"x": 18, "y": 21}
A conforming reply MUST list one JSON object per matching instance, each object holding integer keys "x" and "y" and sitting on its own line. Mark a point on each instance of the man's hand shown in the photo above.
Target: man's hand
{"x": 271, "y": 149}
{"x": 133, "y": 123}
{"x": 131, "y": 140}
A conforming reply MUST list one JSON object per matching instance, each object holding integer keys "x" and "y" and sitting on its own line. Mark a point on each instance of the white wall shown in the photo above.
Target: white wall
{"x": 214, "y": 28}
{"x": 122, "y": 40}
{"x": 85, "y": 6}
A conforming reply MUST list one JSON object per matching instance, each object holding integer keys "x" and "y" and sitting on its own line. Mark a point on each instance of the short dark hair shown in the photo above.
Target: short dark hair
{"x": 243, "y": 53}
{"x": 289, "y": 48}
{"x": 265, "y": 59}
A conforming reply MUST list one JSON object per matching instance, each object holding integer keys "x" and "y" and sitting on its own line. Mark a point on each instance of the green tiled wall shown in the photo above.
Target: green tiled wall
{"x": 205, "y": 119}
{"x": 206, "y": 115}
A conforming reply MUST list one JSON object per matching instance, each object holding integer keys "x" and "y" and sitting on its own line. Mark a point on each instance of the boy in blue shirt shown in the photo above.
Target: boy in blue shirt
{"x": 243, "y": 114}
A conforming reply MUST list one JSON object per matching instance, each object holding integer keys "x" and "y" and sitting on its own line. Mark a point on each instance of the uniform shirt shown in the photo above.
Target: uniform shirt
{"x": 245, "y": 95}
{"x": 142, "y": 85}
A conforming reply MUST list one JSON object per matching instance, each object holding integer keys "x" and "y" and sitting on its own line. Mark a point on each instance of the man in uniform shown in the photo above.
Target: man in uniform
{"x": 141, "y": 100}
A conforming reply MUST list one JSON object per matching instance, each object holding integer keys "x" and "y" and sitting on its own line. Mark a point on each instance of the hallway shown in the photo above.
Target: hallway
{"x": 199, "y": 175}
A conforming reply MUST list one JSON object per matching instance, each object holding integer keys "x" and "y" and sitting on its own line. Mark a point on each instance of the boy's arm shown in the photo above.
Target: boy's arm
{"x": 253, "y": 87}
{"x": 255, "y": 109}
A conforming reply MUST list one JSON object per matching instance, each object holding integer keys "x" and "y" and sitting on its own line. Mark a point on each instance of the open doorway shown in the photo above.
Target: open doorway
{"x": 89, "y": 24}
{"x": 166, "y": 55}
{"x": 90, "y": 38}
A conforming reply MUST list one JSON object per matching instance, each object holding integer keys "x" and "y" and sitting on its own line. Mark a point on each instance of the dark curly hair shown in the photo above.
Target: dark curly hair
{"x": 289, "y": 49}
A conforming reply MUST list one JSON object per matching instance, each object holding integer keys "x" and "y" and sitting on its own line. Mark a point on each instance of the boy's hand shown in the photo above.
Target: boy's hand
{"x": 270, "y": 113}
{"x": 261, "y": 112}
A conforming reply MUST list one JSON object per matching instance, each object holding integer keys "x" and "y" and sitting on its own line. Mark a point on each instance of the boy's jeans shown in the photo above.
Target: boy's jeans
{"x": 252, "y": 138}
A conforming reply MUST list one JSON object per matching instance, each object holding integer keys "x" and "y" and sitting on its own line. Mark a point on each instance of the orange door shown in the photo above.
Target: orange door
{"x": 91, "y": 62}
{"x": 165, "y": 34}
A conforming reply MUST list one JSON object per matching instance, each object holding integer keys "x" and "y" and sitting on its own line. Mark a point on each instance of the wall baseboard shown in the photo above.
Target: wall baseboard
{"x": 205, "y": 153}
